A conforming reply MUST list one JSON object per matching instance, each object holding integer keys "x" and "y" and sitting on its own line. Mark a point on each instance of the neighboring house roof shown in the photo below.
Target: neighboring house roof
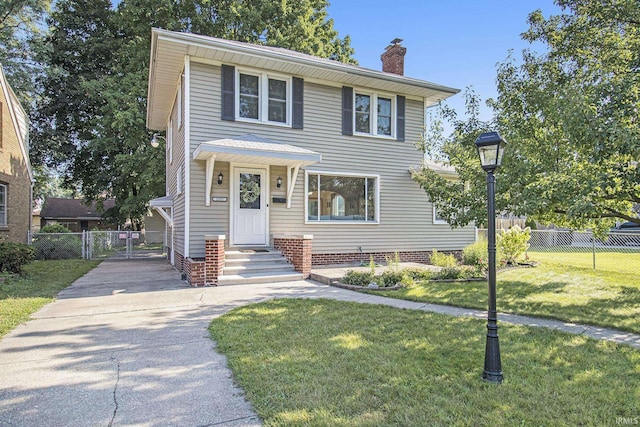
{"x": 169, "y": 48}
{"x": 59, "y": 208}
{"x": 18, "y": 118}
{"x": 445, "y": 171}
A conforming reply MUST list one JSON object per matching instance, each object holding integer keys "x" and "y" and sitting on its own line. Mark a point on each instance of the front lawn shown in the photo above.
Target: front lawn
{"x": 21, "y": 296}
{"x": 552, "y": 290}
{"x": 332, "y": 363}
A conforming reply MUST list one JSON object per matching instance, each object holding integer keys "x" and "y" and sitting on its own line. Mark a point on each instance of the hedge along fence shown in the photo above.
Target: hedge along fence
{"x": 49, "y": 246}
{"x": 619, "y": 252}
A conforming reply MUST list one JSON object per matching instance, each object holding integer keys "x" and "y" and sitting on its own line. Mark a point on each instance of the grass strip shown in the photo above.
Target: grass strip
{"x": 581, "y": 295}
{"x": 39, "y": 283}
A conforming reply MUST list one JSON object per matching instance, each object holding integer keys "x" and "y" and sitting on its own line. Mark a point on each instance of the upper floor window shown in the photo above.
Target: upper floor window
{"x": 263, "y": 97}
{"x": 3, "y": 205}
{"x": 371, "y": 113}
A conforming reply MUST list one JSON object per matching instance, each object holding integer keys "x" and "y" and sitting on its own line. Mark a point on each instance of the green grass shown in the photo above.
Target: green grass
{"x": 619, "y": 261}
{"x": 580, "y": 295}
{"x": 332, "y": 363}
{"x": 21, "y": 296}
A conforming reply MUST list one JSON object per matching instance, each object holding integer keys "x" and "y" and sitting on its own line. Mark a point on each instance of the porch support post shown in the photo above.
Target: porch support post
{"x": 211, "y": 161}
{"x": 292, "y": 176}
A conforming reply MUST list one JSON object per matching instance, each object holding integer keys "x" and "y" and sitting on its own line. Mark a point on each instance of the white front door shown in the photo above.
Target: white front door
{"x": 250, "y": 207}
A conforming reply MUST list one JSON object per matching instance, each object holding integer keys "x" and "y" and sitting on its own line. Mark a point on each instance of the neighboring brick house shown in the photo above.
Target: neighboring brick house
{"x": 75, "y": 214}
{"x": 267, "y": 148}
{"x": 15, "y": 169}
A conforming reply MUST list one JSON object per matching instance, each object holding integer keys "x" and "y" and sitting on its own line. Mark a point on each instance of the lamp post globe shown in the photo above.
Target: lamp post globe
{"x": 491, "y": 147}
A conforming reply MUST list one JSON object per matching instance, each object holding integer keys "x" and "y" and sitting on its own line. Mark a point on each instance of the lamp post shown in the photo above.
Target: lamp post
{"x": 490, "y": 147}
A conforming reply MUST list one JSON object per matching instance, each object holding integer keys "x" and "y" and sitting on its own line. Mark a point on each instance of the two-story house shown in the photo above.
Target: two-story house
{"x": 270, "y": 148}
{"x": 15, "y": 169}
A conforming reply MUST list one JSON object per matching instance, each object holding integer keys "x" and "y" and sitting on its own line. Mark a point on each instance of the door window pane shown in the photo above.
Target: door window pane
{"x": 249, "y": 191}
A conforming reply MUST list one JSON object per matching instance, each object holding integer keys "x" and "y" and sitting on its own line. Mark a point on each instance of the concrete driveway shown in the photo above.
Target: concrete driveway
{"x": 127, "y": 344}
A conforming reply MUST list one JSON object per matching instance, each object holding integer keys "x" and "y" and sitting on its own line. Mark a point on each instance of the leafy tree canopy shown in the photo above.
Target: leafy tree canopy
{"x": 19, "y": 22}
{"x": 570, "y": 116}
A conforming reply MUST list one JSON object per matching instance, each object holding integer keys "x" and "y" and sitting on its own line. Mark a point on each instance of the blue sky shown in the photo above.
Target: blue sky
{"x": 455, "y": 43}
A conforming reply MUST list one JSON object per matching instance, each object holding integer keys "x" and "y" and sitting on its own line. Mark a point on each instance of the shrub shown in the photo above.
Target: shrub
{"x": 13, "y": 256}
{"x": 416, "y": 273}
{"x": 358, "y": 278}
{"x": 54, "y": 228}
{"x": 455, "y": 273}
{"x": 443, "y": 260}
{"x": 57, "y": 243}
{"x": 448, "y": 273}
{"x": 513, "y": 243}
{"x": 476, "y": 254}
{"x": 390, "y": 278}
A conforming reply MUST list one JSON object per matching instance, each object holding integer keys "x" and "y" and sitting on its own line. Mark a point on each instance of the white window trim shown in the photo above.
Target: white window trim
{"x": 6, "y": 207}
{"x": 376, "y": 220}
{"x": 438, "y": 221}
{"x": 263, "y": 97}
{"x": 373, "y": 122}
{"x": 179, "y": 181}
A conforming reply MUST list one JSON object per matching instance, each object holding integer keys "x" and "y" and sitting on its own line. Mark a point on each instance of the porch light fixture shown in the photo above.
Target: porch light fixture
{"x": 220, "y": 177}
{"x": 490, "y": 147}
{"x": 154, "y": 140}
{"x": 279, "y": 182}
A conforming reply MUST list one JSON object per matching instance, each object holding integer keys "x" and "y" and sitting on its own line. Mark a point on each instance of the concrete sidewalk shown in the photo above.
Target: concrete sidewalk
{"x": 127, "y": 344}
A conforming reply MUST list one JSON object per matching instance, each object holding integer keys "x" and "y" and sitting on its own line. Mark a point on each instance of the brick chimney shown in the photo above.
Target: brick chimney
{"x": 393, "y": 58}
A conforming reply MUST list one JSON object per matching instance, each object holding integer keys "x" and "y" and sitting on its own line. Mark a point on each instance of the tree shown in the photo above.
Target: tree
{"x": 570, "y": 118}
{"x": 93, "y": 121}
{"x": 20, "y": 22}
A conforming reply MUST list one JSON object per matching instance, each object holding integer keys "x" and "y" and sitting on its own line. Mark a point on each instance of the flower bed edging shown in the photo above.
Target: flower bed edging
{"x": 363, "y": 288}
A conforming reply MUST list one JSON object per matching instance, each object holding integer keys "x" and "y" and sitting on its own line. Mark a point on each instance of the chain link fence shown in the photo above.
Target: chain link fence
{"x": 99, "y": 245}
{"x": 619, "y": 252}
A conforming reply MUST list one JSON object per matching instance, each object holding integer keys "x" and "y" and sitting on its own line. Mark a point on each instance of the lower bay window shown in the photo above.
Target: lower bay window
{"x": 342, "y": 198}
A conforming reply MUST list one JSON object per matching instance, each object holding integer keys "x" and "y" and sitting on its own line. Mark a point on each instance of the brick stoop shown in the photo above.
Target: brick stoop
{"x": 256, "y": 266}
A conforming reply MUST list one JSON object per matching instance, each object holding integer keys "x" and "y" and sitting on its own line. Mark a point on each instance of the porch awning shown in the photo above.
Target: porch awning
{"x": 162, "y": 203}
{"x": 254, "y": 149}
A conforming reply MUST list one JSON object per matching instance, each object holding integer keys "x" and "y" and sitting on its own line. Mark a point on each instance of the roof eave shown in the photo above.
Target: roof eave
{"x": 339, "y": 72}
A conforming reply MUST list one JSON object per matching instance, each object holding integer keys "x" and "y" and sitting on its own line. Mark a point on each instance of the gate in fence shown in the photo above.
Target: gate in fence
{"x": 99, "y": 245}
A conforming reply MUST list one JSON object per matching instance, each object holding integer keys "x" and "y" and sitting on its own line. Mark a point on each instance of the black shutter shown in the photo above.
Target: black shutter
{"x": 297, "y": 118}
{"x": 228, "y": 92}
{"x": 347, "y": 110}
{"x": 400, "y": 118}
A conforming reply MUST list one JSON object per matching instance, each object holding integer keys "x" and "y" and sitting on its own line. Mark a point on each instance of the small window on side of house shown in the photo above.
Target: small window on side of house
{"x": 437, "y": 219}
{"x": 179, "y": 180}
{"x": 3, "y": 205}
